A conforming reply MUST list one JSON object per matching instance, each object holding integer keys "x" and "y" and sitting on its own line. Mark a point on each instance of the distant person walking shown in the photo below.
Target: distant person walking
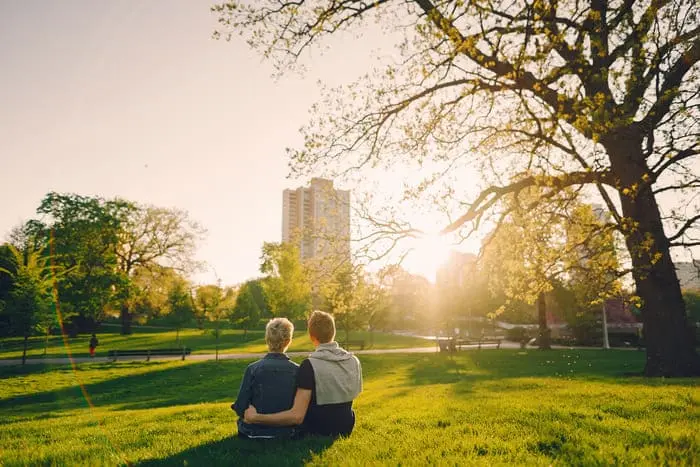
{"x": 93, "y": 345}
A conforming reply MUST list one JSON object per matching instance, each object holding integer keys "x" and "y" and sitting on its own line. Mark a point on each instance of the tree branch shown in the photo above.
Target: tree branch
{"x": 491, "y": 195}
{"x": 688, "y": 224}
{"x": 669, "y": 89}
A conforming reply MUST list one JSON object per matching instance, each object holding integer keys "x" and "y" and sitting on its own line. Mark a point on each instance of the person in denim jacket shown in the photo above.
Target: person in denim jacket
{"x": 269, "y": 384}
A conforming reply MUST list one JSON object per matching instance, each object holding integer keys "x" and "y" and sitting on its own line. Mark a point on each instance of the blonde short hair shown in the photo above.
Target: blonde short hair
{"x": 322, "y": 326}
{"x": 278, "y": 334}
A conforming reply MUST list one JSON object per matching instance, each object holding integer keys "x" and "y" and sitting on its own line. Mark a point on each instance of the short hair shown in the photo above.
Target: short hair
{"x": 278, "y": 334}
{"x": 322, "y": 326}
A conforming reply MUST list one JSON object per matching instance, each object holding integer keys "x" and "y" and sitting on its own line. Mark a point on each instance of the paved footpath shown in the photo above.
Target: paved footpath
{"x": 252, "y": 356}
{"x": 198, "y": 357}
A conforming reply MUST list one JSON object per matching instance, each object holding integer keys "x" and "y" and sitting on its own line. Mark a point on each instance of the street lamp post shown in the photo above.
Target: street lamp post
{"x": 606, "y": 342}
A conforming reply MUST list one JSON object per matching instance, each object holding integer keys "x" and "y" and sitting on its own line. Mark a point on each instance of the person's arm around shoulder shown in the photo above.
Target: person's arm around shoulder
{"x": 302, "y": 399}
{"x": 293, "y": 416}
{"x": 245, "y": 393}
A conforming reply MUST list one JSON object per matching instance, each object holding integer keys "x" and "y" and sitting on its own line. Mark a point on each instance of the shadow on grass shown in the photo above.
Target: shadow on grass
{"x": 167, "y": 384}
{"x": 164, "y": 385}
{"x": 236, "y": 451}
{"x": 615, "y": 367}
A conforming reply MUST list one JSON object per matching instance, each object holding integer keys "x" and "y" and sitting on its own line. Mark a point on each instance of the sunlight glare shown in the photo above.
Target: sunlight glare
{"x": 428, "y": 254}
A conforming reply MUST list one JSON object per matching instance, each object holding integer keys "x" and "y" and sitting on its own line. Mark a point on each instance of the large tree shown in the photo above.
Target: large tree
{"x": 150, "y": 239}
{"x": 84, "y": 231}
{"x": 550, "y": 93}
{"x": 114, "y": 247}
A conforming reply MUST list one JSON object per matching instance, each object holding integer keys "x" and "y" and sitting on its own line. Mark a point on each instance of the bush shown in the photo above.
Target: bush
{"x": 587, "y": 332}
{"x": 519, "y": 334}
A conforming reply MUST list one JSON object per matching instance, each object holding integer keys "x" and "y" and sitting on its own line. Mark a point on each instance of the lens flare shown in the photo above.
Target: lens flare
{"x": 66, "y": 345}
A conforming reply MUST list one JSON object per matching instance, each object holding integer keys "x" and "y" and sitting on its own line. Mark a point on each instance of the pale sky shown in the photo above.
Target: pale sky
{"x": 134, "y": 99}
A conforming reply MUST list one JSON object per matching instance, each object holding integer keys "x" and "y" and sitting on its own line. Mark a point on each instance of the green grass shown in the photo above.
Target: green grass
{"x": 477, "y": 407}
{"x": 201, "y": 341}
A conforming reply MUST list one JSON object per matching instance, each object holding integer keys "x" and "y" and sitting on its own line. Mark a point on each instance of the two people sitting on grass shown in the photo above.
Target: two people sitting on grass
{"x": 322, "y": 391}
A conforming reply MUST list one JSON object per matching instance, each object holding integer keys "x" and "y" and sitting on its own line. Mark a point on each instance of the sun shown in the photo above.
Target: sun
{"x": 427, "y": 254}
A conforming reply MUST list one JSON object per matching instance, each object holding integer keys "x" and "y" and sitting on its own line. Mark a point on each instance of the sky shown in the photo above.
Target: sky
{"x": 136, "y": 100}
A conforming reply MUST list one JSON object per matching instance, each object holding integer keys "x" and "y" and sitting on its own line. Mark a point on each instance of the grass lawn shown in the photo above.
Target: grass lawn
{"x": 479, "y": 407}
{"x": 201, "y": 341}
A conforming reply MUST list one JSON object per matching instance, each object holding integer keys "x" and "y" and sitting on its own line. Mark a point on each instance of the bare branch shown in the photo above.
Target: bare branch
{"x": 552, "y": 185}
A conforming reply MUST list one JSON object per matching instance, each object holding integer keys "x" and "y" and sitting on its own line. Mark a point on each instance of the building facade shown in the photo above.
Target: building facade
{"x": 688, "y": 274}
{"x": 317, "y": 219}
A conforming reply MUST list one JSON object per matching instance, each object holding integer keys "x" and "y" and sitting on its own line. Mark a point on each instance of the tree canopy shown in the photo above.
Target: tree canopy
{"x": 30, "y": 305}
{"x": 287, "y": 284}
{"x": 552, "y": 94}
{"x": 149, "y": 239}
{"x": 538, "y": 247}
{"x": 117, "y": 255}
{"x": 250, "y": 305}
{"x": 85, "y": 232}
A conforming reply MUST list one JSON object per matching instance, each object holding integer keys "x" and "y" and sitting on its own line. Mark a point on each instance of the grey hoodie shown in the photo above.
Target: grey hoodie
{"x": 337, "y": 374}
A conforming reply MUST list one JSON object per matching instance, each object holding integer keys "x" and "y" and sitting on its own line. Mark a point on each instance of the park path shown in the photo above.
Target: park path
{"x": 222, "y": 356}
{"x": 252, "y": 356}
{"x": 197, "y": 357}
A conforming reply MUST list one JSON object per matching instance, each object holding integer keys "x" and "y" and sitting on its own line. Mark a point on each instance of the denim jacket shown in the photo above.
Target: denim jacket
{"x": 270, "y": 385}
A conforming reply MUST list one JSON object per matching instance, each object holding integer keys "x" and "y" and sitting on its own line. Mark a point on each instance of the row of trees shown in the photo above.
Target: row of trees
{"x": 108, "y": 255}
{"x": 86, "y": 258}
{"x": 537, "y": 257}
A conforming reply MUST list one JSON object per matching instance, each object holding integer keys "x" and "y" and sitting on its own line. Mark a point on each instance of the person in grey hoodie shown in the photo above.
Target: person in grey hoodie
{"x": 327, "y": 383}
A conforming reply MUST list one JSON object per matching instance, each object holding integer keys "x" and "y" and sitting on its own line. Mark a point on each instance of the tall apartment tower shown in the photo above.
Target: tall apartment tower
{"x": 317, "y": 219}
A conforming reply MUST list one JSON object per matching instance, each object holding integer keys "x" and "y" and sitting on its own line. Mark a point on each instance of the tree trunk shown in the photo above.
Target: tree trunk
{"x": 46, "y": 341}
{"x": 24, "y": 350}
{"x": 125, "y": 316}
{"x": 670, "y": 342}
{"x": 544, "y": 334}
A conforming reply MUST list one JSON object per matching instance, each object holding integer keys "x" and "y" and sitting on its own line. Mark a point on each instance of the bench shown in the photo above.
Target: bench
{"x": 347, "y": 344}
{"x": 114, "y": 354}
{"x": 457, "y": 344}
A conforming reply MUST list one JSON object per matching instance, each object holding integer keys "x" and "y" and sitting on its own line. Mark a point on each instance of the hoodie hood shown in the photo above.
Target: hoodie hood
{"x": 337, "y": 374}
{"x": 331, "y": 352}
